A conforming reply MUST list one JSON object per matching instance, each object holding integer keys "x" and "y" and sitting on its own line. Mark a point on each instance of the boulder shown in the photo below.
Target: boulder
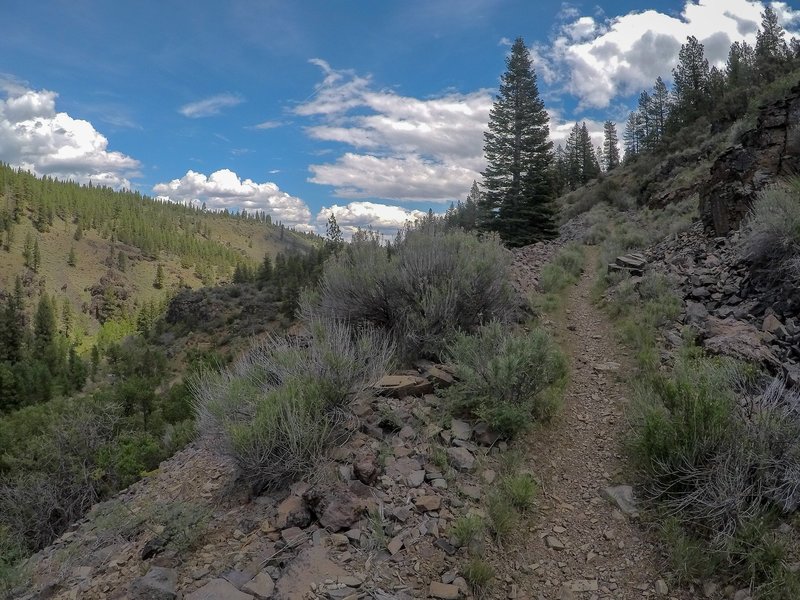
{"x": 336, "y": 507}
{"x": 622, "y": 496}
{"x": 439, "y": 377}
{"x": 293, "y": 512}
{"x": 484, "y": 435}
{"x": 159, "y": 583}
{"x": 634, "y": 263}
{"x": 261, "y": 586}
{"x": 461, "y": 429}
{"x": 461, "y": 458}
{"x": 772, "y": 324}
{"x": 366, "y": 468}
{"x": 738, "y": 339}
{"x": 696, "y": 313}
{"x": 444, "y": 591}
{"x": 428, "y": 503}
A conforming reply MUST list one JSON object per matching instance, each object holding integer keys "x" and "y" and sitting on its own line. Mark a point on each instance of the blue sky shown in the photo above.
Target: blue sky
{"x": 372, "y": 110}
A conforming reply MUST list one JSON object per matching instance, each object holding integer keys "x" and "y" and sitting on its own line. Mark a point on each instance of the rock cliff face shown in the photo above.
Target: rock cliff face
{"x": 770, "y": 150}
{"x": 734, "y": 310}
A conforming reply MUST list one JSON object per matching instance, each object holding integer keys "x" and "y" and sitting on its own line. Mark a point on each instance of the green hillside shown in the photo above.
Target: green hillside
{"x": 100, "y": 249}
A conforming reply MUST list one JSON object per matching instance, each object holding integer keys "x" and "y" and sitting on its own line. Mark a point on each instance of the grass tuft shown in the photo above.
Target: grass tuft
{"x": 478, "y": 574}
{"x": 467, "y": 530}
{"x": 520, "y": 490}
{"x": 502, "y": 516}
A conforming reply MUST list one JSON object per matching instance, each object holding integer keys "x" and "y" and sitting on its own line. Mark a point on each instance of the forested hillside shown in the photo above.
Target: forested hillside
{"x": 100, "y": 330}
{"x": 105, "y": 256}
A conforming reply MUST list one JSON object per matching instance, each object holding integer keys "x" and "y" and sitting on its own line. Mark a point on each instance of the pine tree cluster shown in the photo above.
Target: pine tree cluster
{"x": 701, "y": 91}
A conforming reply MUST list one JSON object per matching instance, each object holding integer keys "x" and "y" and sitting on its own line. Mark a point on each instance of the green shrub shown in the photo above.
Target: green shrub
{"x": 429, "y": 286}
{"x": 478, "y": 573}
{"x": 502, "y": 516}
{"x": 520, "y": 489}
{"x": 506, "y": 380}
{"x": 132, "y": 454}
{"x": 771, "y": 234}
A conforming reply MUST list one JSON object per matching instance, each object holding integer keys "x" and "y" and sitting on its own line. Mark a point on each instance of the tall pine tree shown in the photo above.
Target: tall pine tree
{"x": 610, "y": 146}
{"x": 771, "y": 51}
{"x": 691, "y": 83}
{"x": 519, "y": 156}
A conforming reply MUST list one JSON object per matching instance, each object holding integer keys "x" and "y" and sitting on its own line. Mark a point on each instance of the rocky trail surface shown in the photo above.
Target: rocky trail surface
{"x": 585, "y": 543}
{"x": 378, "y": 521}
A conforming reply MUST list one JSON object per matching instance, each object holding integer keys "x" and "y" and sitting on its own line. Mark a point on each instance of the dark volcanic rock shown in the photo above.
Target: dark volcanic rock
{"x": 765, "y": 153}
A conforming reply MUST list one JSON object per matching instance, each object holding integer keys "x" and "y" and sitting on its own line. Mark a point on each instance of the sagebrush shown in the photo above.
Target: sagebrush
{"x": 423, "y": 290}
{"x": 771, "y": 234}
{"x": 507, "y": 380}
{"x": 717, "y": 448}
{"x": 277, "y": 408}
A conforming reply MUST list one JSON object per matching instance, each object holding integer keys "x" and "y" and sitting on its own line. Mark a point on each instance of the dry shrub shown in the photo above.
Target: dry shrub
{"x": 771, "y": 235}
{"x": 430, "y": 285}
{"x": 277, "y": 408}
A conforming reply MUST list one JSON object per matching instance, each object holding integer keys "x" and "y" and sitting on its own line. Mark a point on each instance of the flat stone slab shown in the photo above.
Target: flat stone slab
{"x": 218, "y": 589}
{"x": 584, "y": 585}
{"x": 632, "y": 260}
{"x": 261, "y": 586}
{"x": 399, "y": 386}
{"x": 622, "y": 496}
{"x": 445, "y": 591}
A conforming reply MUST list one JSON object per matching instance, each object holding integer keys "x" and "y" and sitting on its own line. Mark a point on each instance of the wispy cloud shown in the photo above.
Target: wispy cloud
{"x": 211, "y": 106}
{"x": 409, "y": 149}
{"x": 267, "y": 125}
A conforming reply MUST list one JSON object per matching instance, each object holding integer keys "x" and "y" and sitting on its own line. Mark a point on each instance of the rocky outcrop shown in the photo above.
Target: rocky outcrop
{"x": 633, "y": 263}
{"x": 384, "y": 503}
{"x": 735, "y": 310}
{"x": 766, "y": 152}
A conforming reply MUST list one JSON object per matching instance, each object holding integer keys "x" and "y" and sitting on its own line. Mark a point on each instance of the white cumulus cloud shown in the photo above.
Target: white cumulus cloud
{"x": 404, "y": 178}
{"x": 408, "y": 148}
{"x": 560, "y": 129}
{"x": 225, "y": 189}
{"x": 38, "y": 138}
{"x": 597, "y": 61}
{"x": 208, "y": 107}
{"x": 383, "y": 218}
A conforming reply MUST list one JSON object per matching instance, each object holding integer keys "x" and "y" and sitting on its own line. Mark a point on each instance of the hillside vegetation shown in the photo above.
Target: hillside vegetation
{"x": 310, "y": 422}
{"x": 99, "y": 327}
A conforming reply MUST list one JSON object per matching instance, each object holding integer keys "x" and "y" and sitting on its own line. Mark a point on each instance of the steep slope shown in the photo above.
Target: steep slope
{"x": 94, "y": 242}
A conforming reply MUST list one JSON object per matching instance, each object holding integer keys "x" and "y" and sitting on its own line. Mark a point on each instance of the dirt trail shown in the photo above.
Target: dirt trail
{"x": 605, "y": 554}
